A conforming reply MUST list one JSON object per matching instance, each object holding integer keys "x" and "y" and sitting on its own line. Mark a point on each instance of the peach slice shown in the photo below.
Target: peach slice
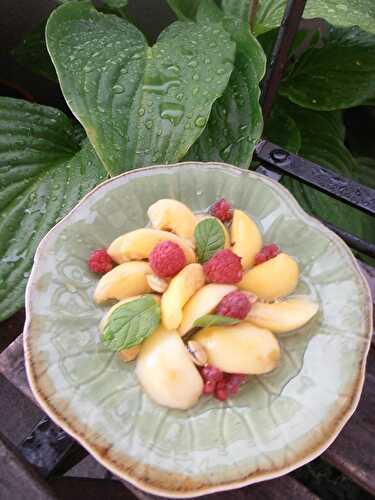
{"x": 203, "y": 302}
{"x": 172, "y": 215}
{"x": 138, "y": 245}
{"x": 166, "y": 371}
{"x": 246, "y": 238}
{"x": 123, "y": 281}
{"x": 275, "y": 278}
{"x": 241, "y": 348}
{"x": 181, "y": 288}
{"x": 132, "y": 352}
{"x": 281, "y": 317}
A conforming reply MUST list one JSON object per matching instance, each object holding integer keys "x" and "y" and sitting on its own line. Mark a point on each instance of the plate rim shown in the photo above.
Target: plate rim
{"x": 254, "y": 477}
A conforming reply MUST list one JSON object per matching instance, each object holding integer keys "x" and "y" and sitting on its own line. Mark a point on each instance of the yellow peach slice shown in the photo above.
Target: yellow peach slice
{"x": 281, "y": 317}
{"x": 138, "y": 244}
{"x": 241, "y": 348}
{"x": 172, "y": 215}
{"x": 203, "y": 302}
{"x": 246, "y": 238}
{"x": 275, "y": 278}
{"x": 181, "y": 288}
{"x": 132, "y": 352}
{"x": 225, "y": 230}
{"x": 166, "y": 371}
{"x": 123, "y": 281}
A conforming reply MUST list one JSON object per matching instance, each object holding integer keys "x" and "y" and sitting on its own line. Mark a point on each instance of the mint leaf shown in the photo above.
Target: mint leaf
{"x": 139, "y": 105}
{"x": 337, "y": 12}
{"x": 131, "y": 323}
{"x": 236, "y": 121}
{"x": 214, "y": 320}
{"x": 339, "y": 75}
{"x": 209, "y": 238}
{"x": 45, "y": 170}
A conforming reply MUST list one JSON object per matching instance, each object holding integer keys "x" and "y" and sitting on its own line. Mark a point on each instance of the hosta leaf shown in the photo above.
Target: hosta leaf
{"x": 131, "y": 323}
{"x": 366, "y": 171}
{"x": 116, "y": 4}
{"x": 44, "y": 171}
{"x": 322, "y": 141}
{"x": 281, "y": 129}
{"x": 337, "y": 12}
{"x": 184, "y": 9}
{"x": 237, "y": 8}
{"x": 236, "y": 121}
{"x": 339, "y": 75}
{"x": 139, "y": 104}
{"x": 32, "y": 53}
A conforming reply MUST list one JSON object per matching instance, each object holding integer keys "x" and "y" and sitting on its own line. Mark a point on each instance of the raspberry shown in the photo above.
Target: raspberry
{"x": 209, "y": 387}
{"x": 222, "y": 209}
{"x": 268, "y": 252}
{"x": 235, "y": 305}
{"x": 234, "y": 381}
{"x": 221, "y": 392}
{"x": 212, "y": 374}
{"x": 167, "y": 259}
{"x": 223, "y": 267}
{"x": 100, "y": 262}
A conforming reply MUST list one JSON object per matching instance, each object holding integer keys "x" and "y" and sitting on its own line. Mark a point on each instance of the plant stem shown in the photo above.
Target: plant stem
{"x": 253, "y": 13}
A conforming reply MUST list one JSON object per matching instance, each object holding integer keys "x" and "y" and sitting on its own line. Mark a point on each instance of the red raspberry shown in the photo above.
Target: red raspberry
{"x": 222, "y": 209}
{"x": 100, "y": 262}
{"x": 235, "y": 305}
{"x": 223, "y": 267}
{"x": 209, "y": 387}
{"x": 268, "y": 252}
{"x": 234, "y": 381}
{"x": 221, "y": 392}
{"x": 167, "y": 259}
{"x": 212, "y": 374}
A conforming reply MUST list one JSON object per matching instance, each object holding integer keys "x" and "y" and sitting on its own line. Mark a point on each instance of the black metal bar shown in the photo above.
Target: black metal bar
{"x": 287, "y": 31}
{"x": 327, "y": 181}
{"x": 18, "y": 480}
{"x": 50, "y": 449}
{"x": 350, "y": 239}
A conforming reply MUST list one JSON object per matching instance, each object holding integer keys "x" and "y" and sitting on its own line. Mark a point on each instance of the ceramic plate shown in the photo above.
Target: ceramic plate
{"x": 278, "y": 422}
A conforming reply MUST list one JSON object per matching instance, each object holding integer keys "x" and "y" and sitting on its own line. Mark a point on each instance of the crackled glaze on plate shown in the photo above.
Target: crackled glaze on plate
{"x": 279, "y": 420}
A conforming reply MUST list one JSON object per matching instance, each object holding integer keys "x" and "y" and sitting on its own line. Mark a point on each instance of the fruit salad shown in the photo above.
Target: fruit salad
{"x": 198, "y": 301}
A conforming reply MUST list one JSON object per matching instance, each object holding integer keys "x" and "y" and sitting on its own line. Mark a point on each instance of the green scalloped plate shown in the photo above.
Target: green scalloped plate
{"x": 278, "y": 422}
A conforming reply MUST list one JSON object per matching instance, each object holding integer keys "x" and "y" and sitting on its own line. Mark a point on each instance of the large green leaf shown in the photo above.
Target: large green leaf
{"x": 281, "y": 129}
{"x": 322, "y": 141}
{"x": 236, "y": 121}
{"x": 366, "y": 171}
{"x": 239, "y": 9}
{"x": 184, "y": 9}
{"x": 44, "y": 171}
{"x": 32, "y": 53}
{"x": 339, "y": 75}
{"x": 337, "y": 12}
{"x": 139, "y": 104}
